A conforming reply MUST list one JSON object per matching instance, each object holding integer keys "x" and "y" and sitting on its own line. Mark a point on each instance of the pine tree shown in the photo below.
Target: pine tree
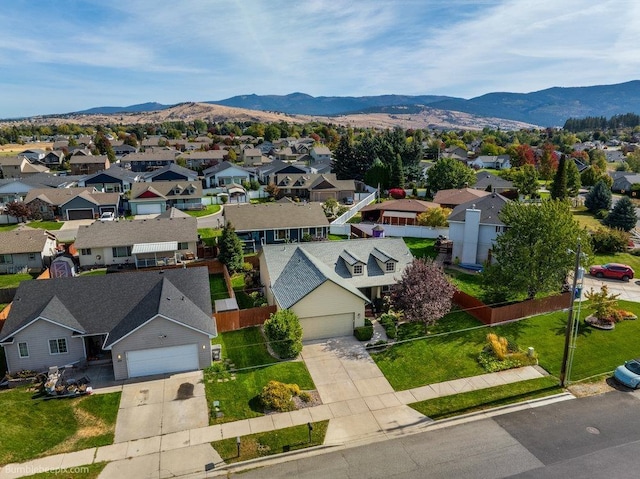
{"x": 230, "y": 249}
{"x": 559, "y": 185}
{"x": 599, "y": 198}
{"x": 623, "y": 215}
{"x": 397, "y": 173}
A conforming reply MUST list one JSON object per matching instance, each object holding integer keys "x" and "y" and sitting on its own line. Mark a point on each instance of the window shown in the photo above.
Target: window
{"x": 23, "y": 350}
{"x": 499, "y": 229}
{"x": 281, "y": 235}
{"x": 121, "y": 251}
{"x": 390, "y": 267}
{"x": 357, "y": 269}
{"x": 85, "y": 251}
{"x": 58, "y": 346}
{"x": 183, "y": 245}
{"x": 6, "y": 259}
{"x": 386, "y": 288}
{"x": 32, "y": 256}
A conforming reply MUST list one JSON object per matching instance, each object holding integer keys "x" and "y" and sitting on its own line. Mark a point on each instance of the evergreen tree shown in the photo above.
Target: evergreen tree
{"x": 230, "y": 245}
{"x": 573, "y": 178}
{"x": 599, "y": 198}
{"x": 559, "y": 185}
{"x": 397, "y": 173}
{"x": 346, "y": 164}
{"x": 378, "y": 174}
{"x": 623, "y": 215}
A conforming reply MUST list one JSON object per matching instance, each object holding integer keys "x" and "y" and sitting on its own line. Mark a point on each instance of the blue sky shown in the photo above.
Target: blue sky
{"x": 67, "y": 55}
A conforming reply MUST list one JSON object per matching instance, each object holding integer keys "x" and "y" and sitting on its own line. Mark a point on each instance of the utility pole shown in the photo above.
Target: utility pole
{"x": 569, "y": 332}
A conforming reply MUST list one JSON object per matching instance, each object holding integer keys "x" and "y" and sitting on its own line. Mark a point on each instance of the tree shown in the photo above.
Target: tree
{"x": 548, "y": 162}
{"x": 18, "y": 209}
{"x": 599, "y": 198}
{"x": 423, "y": 293}
{"x": 272, "y": 190}
{"x": 523, "y": 155}
{"x": 559, "y": 185}
{"x": 633, "y": 160}
{"x": 526, "y": 180}
{"x": 230, "y": 245}
{"x": 573, "y": 178}
{"x": 623, "y": 215}
{"x": 449, "y": 173}
{"x": 329, "y": 206}
{"x": 284, "y": 332}
{"x": 530, "y": 256}
{"x": 593, "y": 174}
{"x": 397, "y": 173}
{"x": 104, "y": 146}
{"x": 378, "y": 175}
{"x": 434, "y": 217}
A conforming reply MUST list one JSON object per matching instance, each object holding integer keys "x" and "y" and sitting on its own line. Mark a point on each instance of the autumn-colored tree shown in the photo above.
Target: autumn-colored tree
{"x": 272, "y": 190}
{"x": 423, "y": 293}
{"x": 548, "y": 163}
{"x": 435, "y": 217}
{"x": 524, "y": 155}
{"x": 18, "y": 209}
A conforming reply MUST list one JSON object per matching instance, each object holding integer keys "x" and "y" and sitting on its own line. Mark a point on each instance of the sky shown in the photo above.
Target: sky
{"x": 69, "y": 55}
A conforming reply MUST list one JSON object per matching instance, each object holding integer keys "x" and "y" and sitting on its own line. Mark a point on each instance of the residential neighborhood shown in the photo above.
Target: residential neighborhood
{"x": 198, "y": 289}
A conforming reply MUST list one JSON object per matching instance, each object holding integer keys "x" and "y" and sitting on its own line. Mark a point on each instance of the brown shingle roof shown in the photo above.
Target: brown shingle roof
{"x": 268, "y": 216}
{"x": 22, "y": 241}
{"x": 413, "y": 206}
{"x": 457, "y": 197}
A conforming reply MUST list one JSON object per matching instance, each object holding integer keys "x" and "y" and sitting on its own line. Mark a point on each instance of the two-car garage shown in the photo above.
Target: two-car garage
{"x": 147, "y": 362}
{"x": 321, "y": 327}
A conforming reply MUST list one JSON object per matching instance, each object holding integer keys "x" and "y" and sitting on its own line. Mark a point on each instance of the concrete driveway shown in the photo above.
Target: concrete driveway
{"x": 161, "y": 406}
{"x": 352, "y": 386}
{"x": 629, "y": 291}
{"x": 69, "y": 229}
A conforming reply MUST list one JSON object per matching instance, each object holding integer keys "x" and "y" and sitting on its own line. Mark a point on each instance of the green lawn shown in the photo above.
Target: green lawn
{"x": 94, "y": 272}
{"x": 254, "y": 368}
{"x": 626, "y": 258}
{"x": 31, "y": 428}
{"x": 217, "y": 287}
{"x": 89, "y": 471}
{"x": 441, "y": 358}
{"x": 470, "y": 283}
{"x": 8, "y": 227}
{"x": 586, "y": 219}
{"x": 14, "y": 280}
{"x": 457, "y": 404}
{"x": 208, "y": 210}
{"x": 421, "y": 247}
{"x": 46, "y": 225}
{"x": 336, "y": 237}
{"x": 208, "y": 235}
{"x": 269, "y": 443}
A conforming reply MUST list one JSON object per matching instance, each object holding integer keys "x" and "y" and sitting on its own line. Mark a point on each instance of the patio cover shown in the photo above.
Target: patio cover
{"x": 398, "y": 214}
{"x": 160, "y": 247}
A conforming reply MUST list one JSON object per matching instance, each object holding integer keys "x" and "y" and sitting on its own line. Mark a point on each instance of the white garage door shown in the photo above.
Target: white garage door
{"x": 162, "y": 360}
{"x": 149, "y": 209}
{"x": 320, "y": 327}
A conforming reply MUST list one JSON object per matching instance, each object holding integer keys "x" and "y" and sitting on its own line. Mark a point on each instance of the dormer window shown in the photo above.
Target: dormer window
{"x": 390, "y": 266}
{"x": 358, "y": 269}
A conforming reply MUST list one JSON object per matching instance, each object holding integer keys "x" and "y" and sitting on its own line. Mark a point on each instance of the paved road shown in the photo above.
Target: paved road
{"x": 594, "y": 437}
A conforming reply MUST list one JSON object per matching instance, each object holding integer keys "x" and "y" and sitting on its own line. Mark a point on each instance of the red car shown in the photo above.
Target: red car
{"x": 612, "y": 270}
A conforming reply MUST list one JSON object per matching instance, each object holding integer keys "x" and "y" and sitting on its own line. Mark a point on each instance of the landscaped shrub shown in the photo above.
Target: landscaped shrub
{"x": 364, "y": 333}
{"x": 277, "y": 396}
{"x": 304, "y": 396}
{"x": 397, "y": 193}
{"x": 601, "y": 214}
{"x": 389, "y": 322}
{"x": 284, "y": 333}
{"x": 500, "y": 354}
{"x": 608, "y": 240}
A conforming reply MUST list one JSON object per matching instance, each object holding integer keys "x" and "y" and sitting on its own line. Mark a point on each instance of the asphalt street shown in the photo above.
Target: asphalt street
{"x": 594, "y": 437}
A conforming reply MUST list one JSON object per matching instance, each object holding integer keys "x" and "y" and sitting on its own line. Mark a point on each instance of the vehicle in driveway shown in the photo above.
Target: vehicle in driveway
{"x": 629, "y": 373}
{"x": 612, "y": 270}
{"x": 107, "y": 216}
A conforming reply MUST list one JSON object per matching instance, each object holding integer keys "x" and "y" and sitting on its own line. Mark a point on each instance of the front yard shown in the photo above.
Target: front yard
{"x": 14, "y": 280}
{"x": 31, "y": 428}
{"x": 208, "y": 210}
{"x": 248, "y": 361}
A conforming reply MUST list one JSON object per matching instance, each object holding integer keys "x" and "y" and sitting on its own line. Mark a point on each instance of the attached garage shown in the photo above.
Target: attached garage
{"x": 172, "y": 359}
{"x": 80, "y": 214}
{"x": 321, "y": 327}
{"x": 149, "y": 209}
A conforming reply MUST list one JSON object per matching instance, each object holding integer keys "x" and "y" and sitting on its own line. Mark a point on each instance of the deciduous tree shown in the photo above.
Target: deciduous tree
{"x": 573, "y": 178}
{"x": 449, "y": 173}
{"x": 284, "y": 332}
{"x": 434, "y": 217}
{"x": 526, "y": 180}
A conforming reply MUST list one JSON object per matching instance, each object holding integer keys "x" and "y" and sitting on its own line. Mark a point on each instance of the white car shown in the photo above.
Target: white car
{"x": 107, "y": 216}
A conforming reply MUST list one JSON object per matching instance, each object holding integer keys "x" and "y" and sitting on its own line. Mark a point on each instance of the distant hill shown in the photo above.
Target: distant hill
{"x": 109, "y": 110}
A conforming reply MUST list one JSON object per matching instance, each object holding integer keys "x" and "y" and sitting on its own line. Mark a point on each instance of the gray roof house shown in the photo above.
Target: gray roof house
{"x": 624, "y": 181}
{"x": 143, "y": 243}
{"x": 226, "y": 173}
{"x": 71, "y": 203}
{"x": 145, "y": 322}
{"x": 156, "y": 197}
{"x": 328, "y": 283}
{"x": 25, "y": 250}
{"x": 489, "y": 182}
{"x": 268, "y": 223}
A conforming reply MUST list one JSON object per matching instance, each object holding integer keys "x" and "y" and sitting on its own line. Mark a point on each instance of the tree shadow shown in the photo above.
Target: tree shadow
{"x": 584, "y": 329}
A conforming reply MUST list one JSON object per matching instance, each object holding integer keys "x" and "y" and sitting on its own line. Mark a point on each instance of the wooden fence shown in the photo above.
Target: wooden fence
{"x": 243, "y": 318}
{"x": 501, "y": 314}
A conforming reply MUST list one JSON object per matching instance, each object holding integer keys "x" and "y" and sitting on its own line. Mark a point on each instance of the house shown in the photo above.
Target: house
{"x": 315, "y": 187}
{"x": 14, "y": 189}
{"x": 88, "y": 165}
{"x": 143, "y": 243}
{"x": 396, "y": 212}
{"x": 251, "y": 156}
{"x": 614, "y": 155}
{"x": 71, "y": 203}
{"x": 156, "y": 197}
{"x": 474, "y": 227}
{"x": 320, "y": 154}
{"x": 122, "y": 149}
{"x": 171, "y": 172}
{"x": 623, "y": 181}
{"x": 113, "y": 179}
{"x": 499, "y": 162}
{"x": 226, "y": 173}
{"x": 488, "y": 182}
{"x": 453, "y": 198}
{"x": 53, "y": 158}
{"x": 19, "y": 167}
{"x": 149, "y": 160}
{"x": 144, "y": 322}
{"x": 33, "y": 155}
{"x": 26, "y": 250}
{"x": 269, "y": 173}
{"x": 328, "y": 283}
{"x": 200, "y": 159}
{"x": 268, "y": 223}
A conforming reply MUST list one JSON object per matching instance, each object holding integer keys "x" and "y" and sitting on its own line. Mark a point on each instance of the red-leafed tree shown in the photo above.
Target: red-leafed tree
{"x": 423, "y": 293}
{"x": 524, "y": 155}
{"x": 18, "y": 210}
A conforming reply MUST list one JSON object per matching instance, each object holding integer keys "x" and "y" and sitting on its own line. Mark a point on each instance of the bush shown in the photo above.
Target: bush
{"x": 304, "y": 396}
{"x": 363, "y": 333}
{"x": 246, "y": 267}
{"x": 397, "y": 193}
{"x": 601, "y": 214}
{"x": 284, "y": 333}
{"x": 607, "y": 240}
{"x": 389, "y": 322}
{"x": 277, "y": 396}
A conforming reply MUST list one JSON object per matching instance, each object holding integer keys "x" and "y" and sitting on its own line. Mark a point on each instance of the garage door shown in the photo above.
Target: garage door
{"x": 149, "y": 209}
{"x": 162, "y": 360}
{"x": 80, "y": 214}
{"x": 321, "y": 327}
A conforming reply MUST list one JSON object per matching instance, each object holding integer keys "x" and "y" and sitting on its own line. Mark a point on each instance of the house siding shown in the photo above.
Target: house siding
{"x": 148, "y": 337}
{"x": 341, "y": 301}
{"x": 107, "y": 258}
{"x": 79, "y": 204}
{"x": 37, "y": 337}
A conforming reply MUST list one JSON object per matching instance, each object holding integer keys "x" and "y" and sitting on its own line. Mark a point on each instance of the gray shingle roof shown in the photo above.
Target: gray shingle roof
{"x": 115, "y": 303}
{"x": 181, "y": 170}
{"x": 125, "y": 233}
{"x": 268, "y": 216}
{"x": 165, "y": 188}
{"x": 22, "y": 241}
{"x": 489, "y": 206}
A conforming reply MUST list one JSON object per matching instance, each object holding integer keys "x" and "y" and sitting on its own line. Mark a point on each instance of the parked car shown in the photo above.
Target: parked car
{"x": 612, "y": 270}
{"x": 629, "y": 373}
{"x": 348, "y": 200}
{"x": 107, "y": 216}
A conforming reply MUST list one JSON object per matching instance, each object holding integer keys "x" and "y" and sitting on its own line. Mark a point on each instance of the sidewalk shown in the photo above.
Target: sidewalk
{"x": 380, "y": 415}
